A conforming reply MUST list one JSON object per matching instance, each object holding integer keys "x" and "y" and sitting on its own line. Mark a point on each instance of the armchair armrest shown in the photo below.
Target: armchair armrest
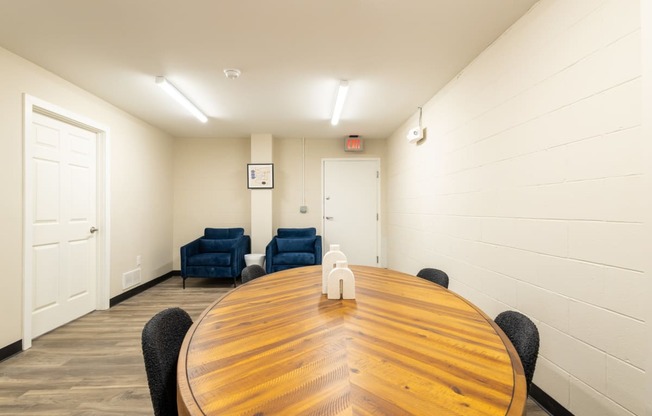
{"x": 188, "y": 250}
{"x": 238, "y": 251}
{"x": 318, "y": 255}
{"x": 270, "y": 251}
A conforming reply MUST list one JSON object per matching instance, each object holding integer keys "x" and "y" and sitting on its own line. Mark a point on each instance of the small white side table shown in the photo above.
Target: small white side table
{"x": 255, "y": 258}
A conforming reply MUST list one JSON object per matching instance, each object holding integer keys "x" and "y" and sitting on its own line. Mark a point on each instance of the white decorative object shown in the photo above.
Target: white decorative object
{"x": 255, "y": 258}
{"x": 328, "y": 264}
{"x": 341, "y": 282}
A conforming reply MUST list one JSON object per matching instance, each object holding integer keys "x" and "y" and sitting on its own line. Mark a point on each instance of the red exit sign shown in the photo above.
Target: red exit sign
{"x": 353, "y": 144}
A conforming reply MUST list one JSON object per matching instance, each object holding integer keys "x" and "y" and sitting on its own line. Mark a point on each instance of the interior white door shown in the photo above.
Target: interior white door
{"x": 351, "y": 211}
{"x": 63, "y": 212}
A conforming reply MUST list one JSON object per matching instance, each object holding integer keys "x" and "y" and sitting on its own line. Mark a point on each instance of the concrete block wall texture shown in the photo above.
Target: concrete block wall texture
{"x": 529, "y": 191}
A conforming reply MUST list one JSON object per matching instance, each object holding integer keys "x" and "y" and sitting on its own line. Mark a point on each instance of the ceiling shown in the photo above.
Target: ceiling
{"x": 292, "y": 53}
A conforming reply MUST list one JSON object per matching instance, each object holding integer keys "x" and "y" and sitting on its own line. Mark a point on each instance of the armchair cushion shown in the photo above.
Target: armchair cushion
{"x": 297, "y": 259}
{"x": 221, "y": 233}
{"x": 210, "y": 259}
{"x": 296, "y": 232}
{"x": 209, "y": 245}
{"x": 303, "y": 245}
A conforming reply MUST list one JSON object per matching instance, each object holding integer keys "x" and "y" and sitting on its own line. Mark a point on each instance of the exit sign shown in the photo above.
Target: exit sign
{"x": 353, "y": 144}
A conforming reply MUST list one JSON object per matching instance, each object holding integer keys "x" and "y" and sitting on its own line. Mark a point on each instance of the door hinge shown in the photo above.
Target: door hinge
{"x": 377, "y": 217}
{"x": 377, "y": 174}
{"x": 377, "y": 260}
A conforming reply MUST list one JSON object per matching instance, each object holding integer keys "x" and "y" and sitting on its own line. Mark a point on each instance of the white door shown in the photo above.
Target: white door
{"x": 63, "y": 210}
{"x": 351, "y": 209}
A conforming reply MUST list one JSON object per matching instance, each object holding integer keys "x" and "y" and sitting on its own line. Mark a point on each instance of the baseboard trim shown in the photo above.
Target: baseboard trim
{"x": 549, "y": 404}
{"x": 17, "y": 347}
{"x": 140, "y": 289}
{"x": 11, "y": 349}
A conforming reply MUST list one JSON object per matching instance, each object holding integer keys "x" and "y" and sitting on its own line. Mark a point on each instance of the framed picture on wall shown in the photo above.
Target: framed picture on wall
{"x": 260, "y": 175}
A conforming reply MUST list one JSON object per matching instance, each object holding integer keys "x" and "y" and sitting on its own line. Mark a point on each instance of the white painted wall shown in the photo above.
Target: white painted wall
{"x": 262, "y": 151}
{"x": 530, "y": 192}
{"x": 141, "y": 183}
{"x": 206, "y": 170}
{"x": 288, "y": 172}
{"x": 646, "y": 58}
{"x": 210, "y": 188}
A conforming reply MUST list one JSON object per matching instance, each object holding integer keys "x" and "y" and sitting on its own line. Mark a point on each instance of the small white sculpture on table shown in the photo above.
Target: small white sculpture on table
{"x": 328, "y": 264}
{"x": 341, "y": 282}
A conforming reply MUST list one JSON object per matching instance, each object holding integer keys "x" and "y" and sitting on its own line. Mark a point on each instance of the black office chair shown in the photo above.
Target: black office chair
{"x": 434, "y": 275}
{"x": 161, "y": 340}
{"x": 252, "y": 272}
{"x": 525, "y": 338}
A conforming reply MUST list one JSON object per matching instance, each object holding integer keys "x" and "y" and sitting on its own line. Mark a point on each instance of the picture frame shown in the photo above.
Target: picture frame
{"x": 260, "y": 175}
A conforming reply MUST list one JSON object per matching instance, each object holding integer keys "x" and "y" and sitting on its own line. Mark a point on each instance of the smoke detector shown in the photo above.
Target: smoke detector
{"x": 232, "y": 73}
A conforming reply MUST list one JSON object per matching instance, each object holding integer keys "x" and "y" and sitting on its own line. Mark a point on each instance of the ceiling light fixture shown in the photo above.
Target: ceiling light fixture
{"x": 339, "y": 102}
{"x": 180, "y": 98}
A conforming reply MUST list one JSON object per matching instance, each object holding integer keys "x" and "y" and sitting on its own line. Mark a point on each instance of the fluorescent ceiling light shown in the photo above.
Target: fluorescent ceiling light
{"x": 180, "y": 98}
{"x": 339, "y": 102}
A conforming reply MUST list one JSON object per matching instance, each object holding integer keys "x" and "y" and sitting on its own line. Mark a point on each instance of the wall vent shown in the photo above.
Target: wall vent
{"x": 131, "y": 278}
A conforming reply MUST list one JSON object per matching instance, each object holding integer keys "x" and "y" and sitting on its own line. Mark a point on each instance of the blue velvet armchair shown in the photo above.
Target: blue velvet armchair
{"x": 293, "y": 247}
{"x": 219, "y": 253}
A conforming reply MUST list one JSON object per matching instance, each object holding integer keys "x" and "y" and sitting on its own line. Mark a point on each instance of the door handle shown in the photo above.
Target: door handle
{"x": 93, "y": 230}
{"x": 329, "y": 218}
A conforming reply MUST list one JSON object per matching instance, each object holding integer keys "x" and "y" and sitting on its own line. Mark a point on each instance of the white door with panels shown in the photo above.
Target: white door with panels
{"x": 351, "y": 209}
{"x": 62, "y": 208}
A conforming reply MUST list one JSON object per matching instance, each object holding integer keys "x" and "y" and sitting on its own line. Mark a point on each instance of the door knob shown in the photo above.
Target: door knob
{"x": 329, "y": 218}
{"x": 93, "y": 230}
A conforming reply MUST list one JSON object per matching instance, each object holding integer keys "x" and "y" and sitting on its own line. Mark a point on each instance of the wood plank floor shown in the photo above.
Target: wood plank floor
{"x": 94, "y": 365}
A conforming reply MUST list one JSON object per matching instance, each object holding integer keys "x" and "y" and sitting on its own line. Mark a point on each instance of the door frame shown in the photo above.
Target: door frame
{"x": 381, "y": 259}
{"x": 33, "y": 105}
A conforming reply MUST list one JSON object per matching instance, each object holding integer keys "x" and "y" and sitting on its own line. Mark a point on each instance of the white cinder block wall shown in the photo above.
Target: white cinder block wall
{"x": 529, "y": 191}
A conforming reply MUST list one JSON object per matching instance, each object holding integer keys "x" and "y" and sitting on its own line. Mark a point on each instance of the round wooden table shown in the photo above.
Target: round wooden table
{"x": 404, "y": 346}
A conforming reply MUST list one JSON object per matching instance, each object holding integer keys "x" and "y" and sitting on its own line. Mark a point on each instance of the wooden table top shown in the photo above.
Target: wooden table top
{"x": 404, "y": 346}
